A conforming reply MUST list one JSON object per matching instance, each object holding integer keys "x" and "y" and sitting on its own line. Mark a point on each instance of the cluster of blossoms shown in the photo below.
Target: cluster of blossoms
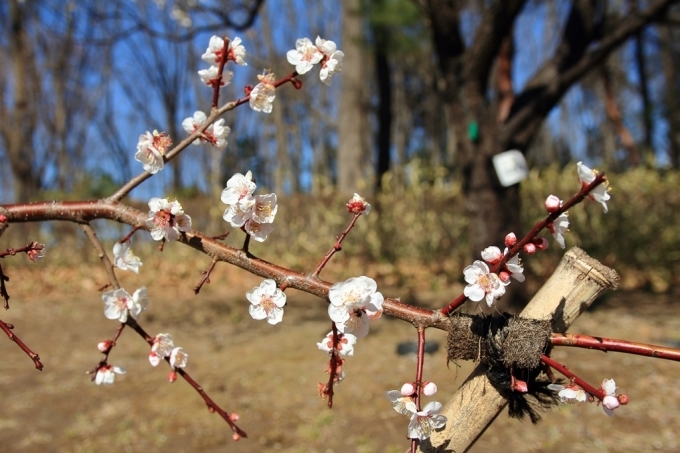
{"x": 266, "y": 302}
{"x": 215, "y": 134}
{"x": 213, "y": 55}
{"x": 306, "y": 54}
{"x": 484, "y": 284}
{"x": 163, "y": 347}
{"x": 573, "y": 393}
{"x": 353, "y": 303}
{"x": 166, "y": 219}
{"x": 253, "y": 213}
{"x": 423, "y": 421}
{"x": 150, "y": 150}
{"x": 340, "y": 346}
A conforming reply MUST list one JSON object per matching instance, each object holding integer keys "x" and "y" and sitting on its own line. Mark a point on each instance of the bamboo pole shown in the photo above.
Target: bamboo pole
{"x": 576, "y": 283}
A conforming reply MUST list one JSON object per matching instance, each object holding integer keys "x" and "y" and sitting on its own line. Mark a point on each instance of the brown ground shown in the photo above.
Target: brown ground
{"x": 268, "y": 375}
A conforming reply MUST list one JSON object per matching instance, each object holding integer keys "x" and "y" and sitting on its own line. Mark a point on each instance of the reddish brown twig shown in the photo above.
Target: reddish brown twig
{"x": 614, "y": 345}
{"x": 514, "y": 250}
{"x": 206, "y": 277}
{"x": 337, "y": 246}
{"x": 220, "y": 70}
{"x": 129, "y": 235}
{"x": 3, "y": 288}
{"x": 334, "y": 365}
{"x": 419, "y": 376}
{"x": 7, "y": 328}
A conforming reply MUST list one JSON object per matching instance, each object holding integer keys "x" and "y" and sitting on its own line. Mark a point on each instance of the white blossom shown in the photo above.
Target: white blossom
{"x": 166, "y": 219}
{"x": 482, "y": 284}
{"x": 236, "y": 52}
{"x": 515, "y": 267}
{"x": 267, "y": 302}
{"x": 150, "y": 150}
{"x": 162, "y": 348}
{"x": 353, "y": 303}
{"x": 214, "y": 52}
{"x": 209, "y": 76}
{"x": 304, "y": 56}
{"x": 239, "y": 191}
{"x": 118, "y": 303}
{"x": 265, "y": 208}
{"x": 124, "y": 259}
{"x": 178, "y": 358}
{"x": 346, "y": 342}
{"x": 216, "y": 134}
{"x": 358, "y": 205}
{"x": 570, "y": 394}
{"x": 600, "y": 193}
{"x": 399, "y": 401}
{"x": 264, "y": 93}
{"x": 425, "y": 421}
{"x": 610, "y": 401}
{"x": 258, "y": 231}
{"x": 332, "y": 61}
{"x": 107, "y": 374}
{"x": 559, "y": 227}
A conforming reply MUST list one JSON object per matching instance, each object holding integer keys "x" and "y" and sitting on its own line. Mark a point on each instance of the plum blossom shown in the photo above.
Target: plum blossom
{"x": 346, "y": 342}
{"x": 209, "y": 76}
{"x": 216, "y": 134}
{"x": 239, "y": 191}
{"x": 559, "y": 227}
{"x": 332, "y": 59}
{"x": 304, "y": 56}
{"x": 107, "y": 374}
{"x": 236, "y": 216}
{"x": 118, "y": 303}
{"x": 265, "y": 208}
{"x": 610, "y": 401}
{"x": 267, "y": 302}
{"x": 570, "y": 393}
{"x": 552, "y": 203}
{"x": 235, "y": 51}
{"x": 258, "y": 231}
{"x": 264, "y": 93}
{"x": 124, "y": 259}
{"x": 358, "y": 205}
{"x": 150, "y": 150}
{"x": 482, "y": 284}
{"x": 353, "y": 303}
{"x": 512, "y": 268}
{"x": 429, "y": 389}
{"x": 599, "y": 193}
{"x": 425, "y": 421}
{"x": 166, "y": 219}
{"x": 178, "y": 358}
{"x": 162, "y": 348}
{"x": 36, "y": 252}
{"x": 400, "y": 400}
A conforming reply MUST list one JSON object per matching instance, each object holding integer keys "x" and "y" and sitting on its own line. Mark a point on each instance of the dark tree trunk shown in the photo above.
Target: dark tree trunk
{"x": 384, "y": 80}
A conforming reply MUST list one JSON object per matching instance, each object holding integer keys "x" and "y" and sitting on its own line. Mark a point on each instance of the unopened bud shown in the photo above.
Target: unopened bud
{"x": 623, "y": 399}
{"x": 541, "y": 243}
{"x": 492, "y": 255}
{"x": 552, "y": 203}
{"x": 297, "y": 83}
{"x": 510, "y": 240}
{"x": 408, "y": 389}
{"x": 610, "y": 402}
{"x": 529, "y": 248}
{"x": 504, "y": 276}
{"x": 430, "y": 388}
{"x": 233, "y": 417}
{"x": 172, "y": 377}
{"x": 235, "y": 436}
{"x": 3, "y": 218}
{"x": 104, "y": 346}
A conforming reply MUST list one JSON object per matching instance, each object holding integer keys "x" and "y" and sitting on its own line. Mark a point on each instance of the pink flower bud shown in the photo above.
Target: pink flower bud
{"x": 172, "y": 377}
{"x": 541, "y": 243}
{"x": 3, "y": 218}
{"x": 234, "y": 417}
{"x": 492, "y": 255}
{"x": 504, "y": 276}
{"x": 552, "y": 203}
{"x": 235, "y": 436}
{"x": 430, "y": 388}
{"x": 510, "y": 240}
{"x": 408, "y": 389}
{"x": 297, "y": 83}
{"x": 105, "y": 346}
{"x": 357, "y": 205}
{"x": 529, "y": 248}
{"x": 623, "y": 399}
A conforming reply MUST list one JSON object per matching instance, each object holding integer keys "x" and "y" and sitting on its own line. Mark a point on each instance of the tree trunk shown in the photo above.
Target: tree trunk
{"x": 353, "y": 157}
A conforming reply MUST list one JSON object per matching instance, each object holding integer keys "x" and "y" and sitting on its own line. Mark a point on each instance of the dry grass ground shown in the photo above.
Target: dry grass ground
{"x": 268, "y": 374}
